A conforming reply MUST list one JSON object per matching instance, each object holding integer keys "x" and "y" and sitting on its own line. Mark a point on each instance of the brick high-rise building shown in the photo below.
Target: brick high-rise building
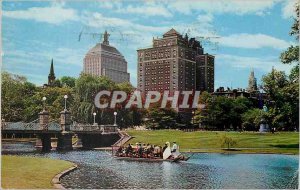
{"x": 205, "y": 67}
{"x": 106, "y": 60}
{"x": 175, "y": 63}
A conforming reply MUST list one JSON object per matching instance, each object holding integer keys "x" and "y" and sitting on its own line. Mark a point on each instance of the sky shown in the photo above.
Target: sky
{"x": 241, "y": 34}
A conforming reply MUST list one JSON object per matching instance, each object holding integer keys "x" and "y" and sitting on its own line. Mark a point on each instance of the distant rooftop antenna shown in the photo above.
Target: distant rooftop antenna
{"x": 104, "y": 36}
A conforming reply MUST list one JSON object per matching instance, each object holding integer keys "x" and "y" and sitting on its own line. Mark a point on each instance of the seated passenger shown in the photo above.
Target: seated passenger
{"x": 174, "y": 147}
{"x": 161, "y": 151}
{"x": 147, "y": 150}
{"x": 156, "y": 151}
{"x": 129, "y": 150}
{"x": 119, "y": 151}
{"x": 140, "y": 150}
{"x": 175, "y": 150}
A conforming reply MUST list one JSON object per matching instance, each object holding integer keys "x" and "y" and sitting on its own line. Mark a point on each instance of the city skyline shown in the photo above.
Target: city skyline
{"x": 31, "y": 40}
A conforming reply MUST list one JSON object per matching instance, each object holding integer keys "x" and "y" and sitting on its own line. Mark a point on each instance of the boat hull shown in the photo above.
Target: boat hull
{"x": 148, "y": 159}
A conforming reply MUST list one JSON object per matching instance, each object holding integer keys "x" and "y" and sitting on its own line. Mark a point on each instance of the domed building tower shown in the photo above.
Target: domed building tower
{"x": 106, "y": 60}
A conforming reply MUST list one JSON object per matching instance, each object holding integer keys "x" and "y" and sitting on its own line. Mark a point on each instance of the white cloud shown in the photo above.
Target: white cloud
{"x": 288, "y": 9}
{"x": 167, "y": 8}
{"x": 221, "y": 6}
{"x": 97, "y": 20}
{"x": 206, "y": 18}
{"x": 110, "y": 4}
{"x": 54, "y": 15}
{"x": 147, "y": 8}
{"x": 122, "y": 30}
{"x": 152, "y": 10}
{"x": 263, "y": 64}
{"x": 253, "y": 41}
{"x": 67, "y": 57}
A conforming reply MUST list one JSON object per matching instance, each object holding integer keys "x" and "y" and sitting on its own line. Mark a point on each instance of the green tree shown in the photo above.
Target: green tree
{"x": 86, "y": 88}
{"x": 68, "y": 81}
{"x": 252, "y": 118}
{"x": 16, "y": 91}
{"x": 202, "y": 114}
{"x": 55, "y": 101}
{"x": 239, "y": 107}
{"x": 284, "y": 91}
{"x": 291, "y": 55}
{"x": 221, "y": 113}
{"x": 57, "y": 83}
{"x": 161, "y": 118}
{"x": 126, "y": 87}
{"x": 227, "y": 141}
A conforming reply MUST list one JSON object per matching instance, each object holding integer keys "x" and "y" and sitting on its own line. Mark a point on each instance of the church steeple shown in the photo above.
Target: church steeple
{"x": 252, "y": 83}
{"x": 105, "y": 38}
{"x": 51, "y": 76}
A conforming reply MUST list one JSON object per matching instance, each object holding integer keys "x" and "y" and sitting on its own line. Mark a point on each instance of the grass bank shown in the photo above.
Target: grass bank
{"x": 30, "y": 172}
{"x": 209, "y": 141}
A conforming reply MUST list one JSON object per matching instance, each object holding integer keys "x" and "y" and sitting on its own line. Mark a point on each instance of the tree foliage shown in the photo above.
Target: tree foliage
{"x": 283, "y": 91}
{"x": 252, "y": 118}
{"x": 227, "y": 141}
{"x": 222, "y": 113}
{"x": 16, "y": 92}
{"x": 68, "y": 81}
{"x": 161, "y": 118}
{"x": 22, "y": 100}
{"x": 86, "y": 88}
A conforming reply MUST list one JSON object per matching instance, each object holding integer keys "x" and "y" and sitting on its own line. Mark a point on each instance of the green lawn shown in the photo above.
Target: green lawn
{"x": 209, "y": 141}
{"x": 19, "y": 172}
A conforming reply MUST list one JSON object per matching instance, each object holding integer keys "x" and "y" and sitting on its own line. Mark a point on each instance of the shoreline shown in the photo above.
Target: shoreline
{"x": 236, "y": 150}
{"x": 56, "y": 179}
{"x": 233, "y": 151}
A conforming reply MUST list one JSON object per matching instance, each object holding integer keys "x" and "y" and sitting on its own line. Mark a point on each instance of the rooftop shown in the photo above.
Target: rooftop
{"x": 100, "y": 47}
{"x": 171, "y": 32}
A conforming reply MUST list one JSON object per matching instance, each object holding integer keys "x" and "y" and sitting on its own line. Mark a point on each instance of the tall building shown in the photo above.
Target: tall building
{"x": 106, "y": 60}
{"x": 252, "y": 83}
{"x": 205, "y": 67}
{"x": 175, "y": 63}
{"x": 51, "y": 76}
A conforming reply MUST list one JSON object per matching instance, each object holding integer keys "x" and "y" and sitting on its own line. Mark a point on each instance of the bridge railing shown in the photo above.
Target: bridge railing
{"x": 84, "y": 127}
{"x": 55, "y": 126}
{"x": 109, "y": 128}
{"x": 95, "y": 128}
{"x": 19, "y": 126}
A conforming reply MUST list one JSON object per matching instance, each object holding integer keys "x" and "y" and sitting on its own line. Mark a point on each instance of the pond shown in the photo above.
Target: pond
{"x": 97, "y": 169}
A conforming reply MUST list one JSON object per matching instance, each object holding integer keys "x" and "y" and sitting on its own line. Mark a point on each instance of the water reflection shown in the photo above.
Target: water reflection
{"x": 97, "y": 169}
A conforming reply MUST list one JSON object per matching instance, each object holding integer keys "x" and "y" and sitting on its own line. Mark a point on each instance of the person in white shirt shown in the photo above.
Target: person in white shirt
{"x": 174, "y": 147}
{"x": 175, "y": 150}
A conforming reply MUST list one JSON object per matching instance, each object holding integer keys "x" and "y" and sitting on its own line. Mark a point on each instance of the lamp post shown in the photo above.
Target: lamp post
{"x": 122, "y": 123}
{"x": 115, "y": 114}
{"x": 193, "y": 112}
{"x": 94, "y": 118}
{"x": 44, "y": 103}
{"x": 65, "y": 97}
